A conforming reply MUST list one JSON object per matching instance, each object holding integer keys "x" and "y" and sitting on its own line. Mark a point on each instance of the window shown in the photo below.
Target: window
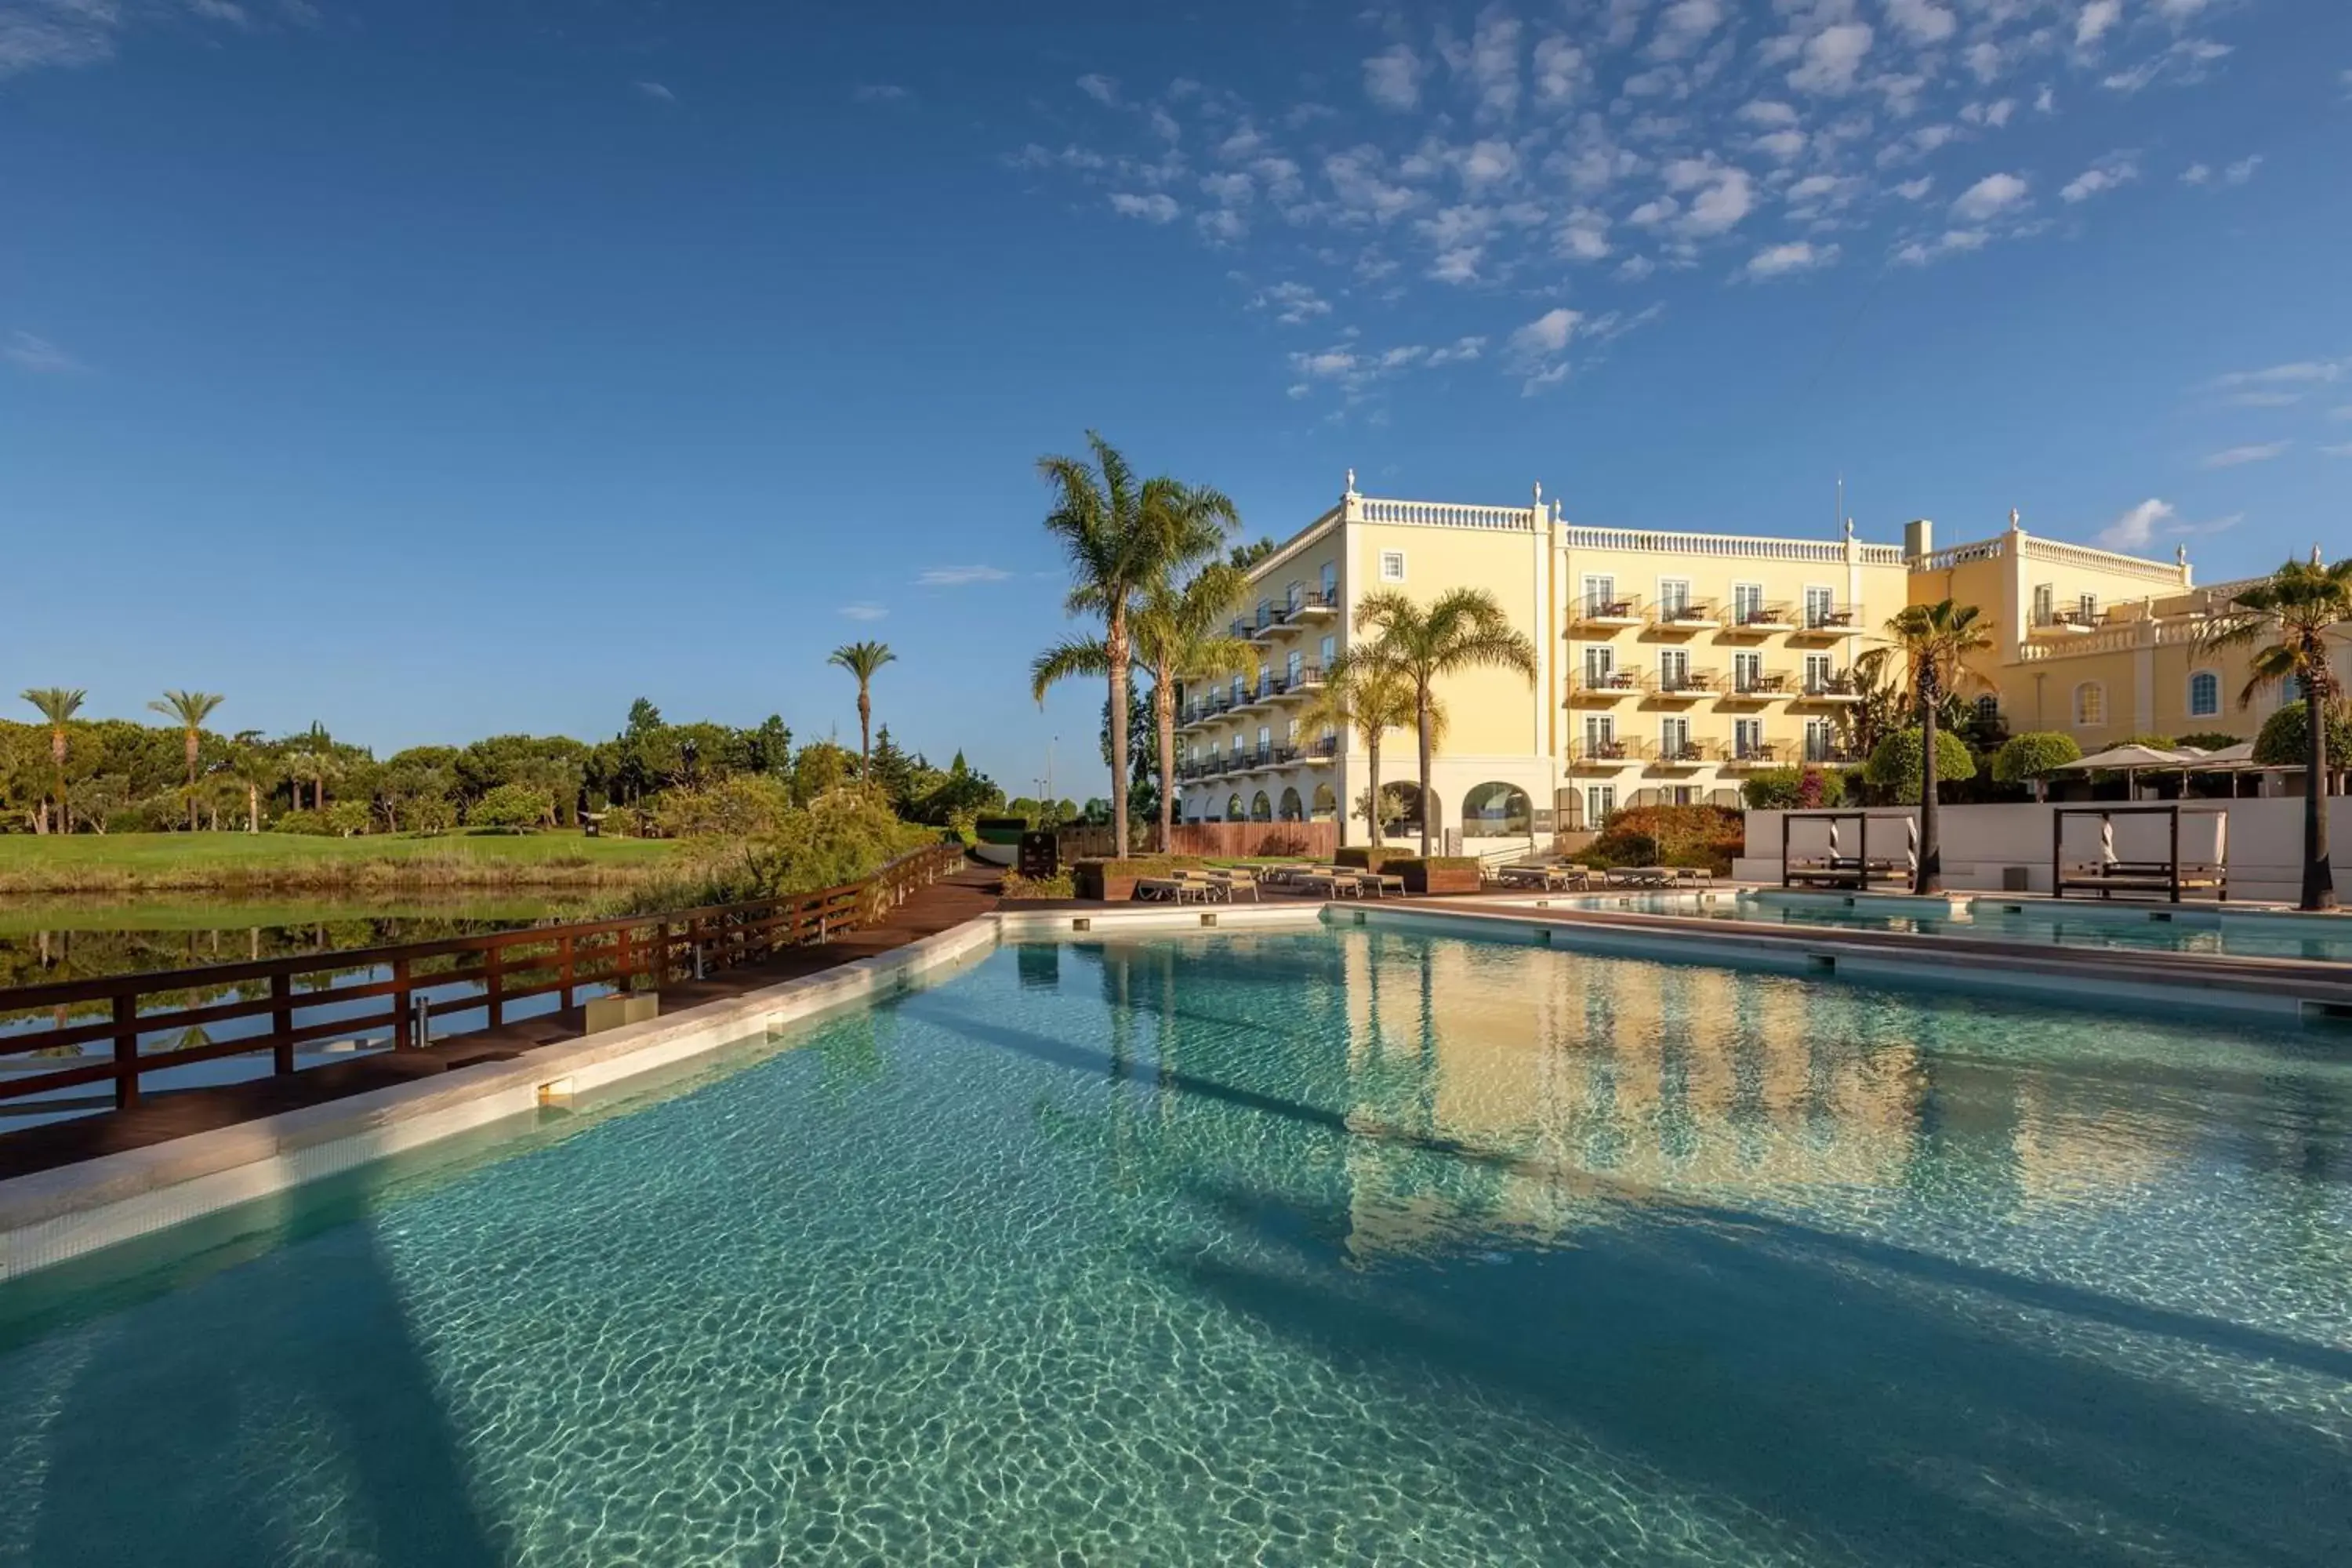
{"x": 1391, "y": 565}
{"x": 1820, "y": 741}
{"x": 1600, "y": 804}
{"x": 1331, "y": 581}
{"x": 1674, "y": 736}
{"x": 2045, "y": 603}
{"x": 1599, "y": 666}
{"x": 1330, "y": 646}
{"x": 1265, "y": 738}
{"x": 1682, "y": 794}
{"x": 1820, "y": 606}
{"x": 1599, "y": 734}
{"x": 1819, "y": 673}
{"x": 1748, "y": 738}
{"x": 1674, "y": 670}
{"x": 1496, "y": 811}
{"x": 1261, "y": 808}
{"x": 1265, "y": 680}
{"x": 1291, "y": 669}
{"x": 1291, "y": 595}
{"x": 1265, "y": 613}
{"x": 1674, "y": 596}
{"x": 1988, "y": 709}
{"x": 2204, "y": 694}
{"x": 2086, "y": 609}
{"x": 1600, "y": 592}
{"x": 2090, "y": 704}
{"x": 1747, "y": 671}
{"x": 1747, "y": 603}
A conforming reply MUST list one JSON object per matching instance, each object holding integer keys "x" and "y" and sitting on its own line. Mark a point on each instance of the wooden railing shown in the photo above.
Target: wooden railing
{"x": 415, "y": 982}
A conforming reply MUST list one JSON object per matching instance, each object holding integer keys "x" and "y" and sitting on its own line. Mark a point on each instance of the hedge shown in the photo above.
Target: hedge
{"x": 1894, "y": 765}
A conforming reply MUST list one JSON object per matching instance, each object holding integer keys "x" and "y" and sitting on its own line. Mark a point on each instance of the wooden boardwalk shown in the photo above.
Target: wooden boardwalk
{"x": 926, "y": 912}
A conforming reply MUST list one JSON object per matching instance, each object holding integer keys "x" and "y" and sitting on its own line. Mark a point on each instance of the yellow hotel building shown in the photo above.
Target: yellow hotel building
{"x": 1670, "y": 665}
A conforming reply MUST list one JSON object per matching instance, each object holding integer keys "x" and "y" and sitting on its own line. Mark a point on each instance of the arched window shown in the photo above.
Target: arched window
{"x": 2204, "y": 694}
{"x": 1496, "y": 811}
{"x": 1402, "y": 803}
{"x": 1262, "y": 807}
{"x": 1233, "y": 811}
{"x": 1292, "y": 808}
{"x": 2090, "y": 704}
{"x": 1988, "y": 708}
{"x": 1326, "y": 804}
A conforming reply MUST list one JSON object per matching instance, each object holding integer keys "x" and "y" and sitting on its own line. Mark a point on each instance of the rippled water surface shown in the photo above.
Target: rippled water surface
{"x": 1327, "y": 1248}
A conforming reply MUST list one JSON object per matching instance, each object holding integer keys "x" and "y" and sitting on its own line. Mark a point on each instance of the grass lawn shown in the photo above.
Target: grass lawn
{"x": 111, "y": 861}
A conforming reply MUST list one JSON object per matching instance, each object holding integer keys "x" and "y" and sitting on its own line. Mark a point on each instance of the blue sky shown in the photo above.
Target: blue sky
{"x": 435, "y": 369}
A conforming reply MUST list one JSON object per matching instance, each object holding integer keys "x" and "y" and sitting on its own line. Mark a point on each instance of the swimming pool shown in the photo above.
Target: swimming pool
{"x": 1343, "y": 1246}
{"x": 2161, "y": 928}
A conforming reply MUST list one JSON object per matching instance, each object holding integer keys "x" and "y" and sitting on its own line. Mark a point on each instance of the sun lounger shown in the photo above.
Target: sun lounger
{"x": 1382, "y": 883}
{"x": 1170, "y": 890}
{"x": 1329, "y": 882}
{"x": 1231, "y": 885}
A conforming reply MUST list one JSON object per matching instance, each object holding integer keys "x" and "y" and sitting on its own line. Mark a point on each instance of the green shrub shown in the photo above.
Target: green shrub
{"x": 511, "y": 805}
{"x": 305, "y": 821}
{"x": 1057, "y": 886}
{"x": 1708, "y": 835}
{"x": 427, "y": 815}
{"x": 2286, "y": 734}
{"x": 348, "y": 818}
{"x": 2210, "y": 740}
{"x": 1364, "y": 857}
{"x": 741, "y": 805}
{"x": 1771, "y": 789}
{"x": 1818, "y": 788}
{"x": 1894, "y": 766}
{"x": 2029, "y": 758}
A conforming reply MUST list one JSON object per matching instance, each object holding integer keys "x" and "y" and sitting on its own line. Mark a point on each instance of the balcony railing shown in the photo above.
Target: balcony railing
{"x": 1760, "y": 617}
{"x": 1605, "y": 609}
{"x": 1611, "y": 753}
{"x": 1696, "y": 614}
{"x": 1604, "y": 685}
{"x": 2070, "y": 621}
{"x": 1324, "y": 749}
{"x": 1315, "y": 603}
{"x": 1309, "y": 676}
{"x": 1762, "y": 683}
{"x": 1755, "y": 753}
{"x": 1839, "y": 685}
{"x": 1830, "y": 618}
{"x": 1686, "y": 754}
{"x": 1829, "y": 751}
{"x": 1685, "y": 683}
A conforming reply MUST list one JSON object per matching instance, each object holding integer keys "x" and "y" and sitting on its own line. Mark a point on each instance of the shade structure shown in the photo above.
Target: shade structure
{"x": 2127, "y": 758}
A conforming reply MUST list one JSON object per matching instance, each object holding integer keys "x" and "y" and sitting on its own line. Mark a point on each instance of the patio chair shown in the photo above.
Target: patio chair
{"x": 1231, "y": 884}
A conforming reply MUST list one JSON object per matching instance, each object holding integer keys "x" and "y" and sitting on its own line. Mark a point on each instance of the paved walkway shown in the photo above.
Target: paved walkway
{"x": 158, "y": 1116}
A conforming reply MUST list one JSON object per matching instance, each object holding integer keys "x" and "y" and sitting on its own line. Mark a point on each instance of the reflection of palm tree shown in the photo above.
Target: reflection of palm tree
{"x": 191, "y": 708}
{"x": 57, "y": 704}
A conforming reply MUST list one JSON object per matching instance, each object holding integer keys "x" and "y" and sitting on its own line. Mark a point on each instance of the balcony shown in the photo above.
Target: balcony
{"x": 1754, "y": 691}
{"x": 1759, "y": 620}
{"x": 1315, "y": 605}
{"x": 1599, "y": 613}
{"x": 1829, "y": 754}
{"x": 1685, "y": 615}
{"x": 1758, "y": 754}
{"x": 1613, "y": 687}
{"x": 1606, "y": 756}
{"x": 1687, "y": 754}
{"x": 1305, "y": 683}
{"x": 1322, "y": 750}
{"x": 1828, "y": 621}
{"x": 1684, "y": 685}
{"x": 2064, "y": 623}
{"x": 1838, "y": 687}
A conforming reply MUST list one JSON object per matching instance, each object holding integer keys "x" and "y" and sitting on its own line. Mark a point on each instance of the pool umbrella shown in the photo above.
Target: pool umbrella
{"x": 2131, "y": 761}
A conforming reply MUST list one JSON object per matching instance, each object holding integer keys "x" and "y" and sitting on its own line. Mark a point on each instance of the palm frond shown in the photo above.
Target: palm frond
{"x": 1067, "y": 660}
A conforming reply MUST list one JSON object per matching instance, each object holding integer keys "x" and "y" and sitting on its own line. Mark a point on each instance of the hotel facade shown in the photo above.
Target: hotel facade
{"x": 1670, "y": 666}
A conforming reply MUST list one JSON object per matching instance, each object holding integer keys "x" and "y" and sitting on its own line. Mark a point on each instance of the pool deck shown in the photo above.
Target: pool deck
{"x": 159, "y": 1117}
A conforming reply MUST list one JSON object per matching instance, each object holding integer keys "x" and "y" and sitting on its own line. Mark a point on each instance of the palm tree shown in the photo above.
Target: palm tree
{"x": 1372, "y": 698}
{"x": 1464, "y": 629}
{"x": 191, "y": 708}
{"x": 57, "y": 704}
{"x": 310, "y": 755}
{"x": 2288, "y": 620}
{"x": 1181, "y": 632}
{"x": 1933, "y": 641}
{"x": 862, "y": 659}
{"x": 1123, "y": 537}
{"x": 256, "y": 767}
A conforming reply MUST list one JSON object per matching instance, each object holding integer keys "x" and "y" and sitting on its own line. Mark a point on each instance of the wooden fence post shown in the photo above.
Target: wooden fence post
{"x": 403, "y": 1026}
{"x": 494, "y": 980}
{"x": 281, "y": 1022}
{"x": 126, "y": 1052}
{"x": 565, "y": 947}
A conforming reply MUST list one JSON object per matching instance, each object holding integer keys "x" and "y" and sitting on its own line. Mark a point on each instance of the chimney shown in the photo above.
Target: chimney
{"x": 1918, "y": 539}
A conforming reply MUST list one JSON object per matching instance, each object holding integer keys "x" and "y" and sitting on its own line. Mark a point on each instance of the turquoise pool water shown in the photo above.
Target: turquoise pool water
{"x": 2141, "y": 929}
{"x": 1356, "y": 1247}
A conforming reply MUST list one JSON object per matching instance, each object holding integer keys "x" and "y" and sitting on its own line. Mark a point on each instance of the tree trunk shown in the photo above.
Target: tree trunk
{"x": 1427, "y": 746}
{"x": 2318, "y": 876}
{"x": 865, "y": 736}
{"x": 1929, "y": 879}
{"x": 253, "y": 808}
{"x": 1116, "y": 645}
{"x": 1163, "y": 711}
{"x": 192, "y": 781}
{"x": 1372, "y": 785}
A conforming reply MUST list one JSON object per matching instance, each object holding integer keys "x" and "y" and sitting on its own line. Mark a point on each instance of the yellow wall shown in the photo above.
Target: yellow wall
{"x": 1489, "y": 712}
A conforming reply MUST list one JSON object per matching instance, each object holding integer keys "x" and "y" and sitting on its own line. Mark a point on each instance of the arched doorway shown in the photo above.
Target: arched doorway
{"x": 1497, "y": 810}
{"x": 1327, "y": 803}
{"x": 1292, "y": 808}
{"x": 1261, "y": 808}
{"x": 1233, "y": 811}
{"x": 1403, "y": 799}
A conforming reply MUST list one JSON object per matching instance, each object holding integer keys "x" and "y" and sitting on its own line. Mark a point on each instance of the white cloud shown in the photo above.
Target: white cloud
{"x": 1685, "y": 27}
{"x": 1951, "y": 242}
{"x": 2264, "y": 399}
{"x": 1727, "y": 194}
{"x": 2343, "y": 412}
{"x": 1767, "y": 112}
{"x": 1584, "y": 237}
{"x": 1830, "y": 58}
{"x": 1492, "y": 62}
{"x": 226, "y": 11}
{"x": 881, "y": 93}
{"x": 656, "y": 91}
{"x": 1548, "y": 333}
{"x": 2091, "y": 23}
{"x": 1157, "y": 207}
{"x": 37, "y": 355}
{"x": 1915, "y": 190}
{"x": 1796, "y": 255}
{"x": 2301, "y": 372}
{"x": 862, "y": 611}
{"x": 1989, "y": 197}
{"x": 2115, "y": 169}
{"x": 2136, "y": 528}
{"x": 1983, "y": 61}
{"x": 1103, "y": 90}
{"x": 1560, "y": 70}
{"x": 960, "y": 577}
{"x": 1392, "y": 78}
{"x": 2197, "y": 175}
{"x": 2239, "y": 173}
{"x": 2338, "y": 450}
{"x": 1923, "y": 21}
{"x": 2235, "y": 455}
{"x": 1780, "y": 146}
{"x": 1229, "y": 190}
